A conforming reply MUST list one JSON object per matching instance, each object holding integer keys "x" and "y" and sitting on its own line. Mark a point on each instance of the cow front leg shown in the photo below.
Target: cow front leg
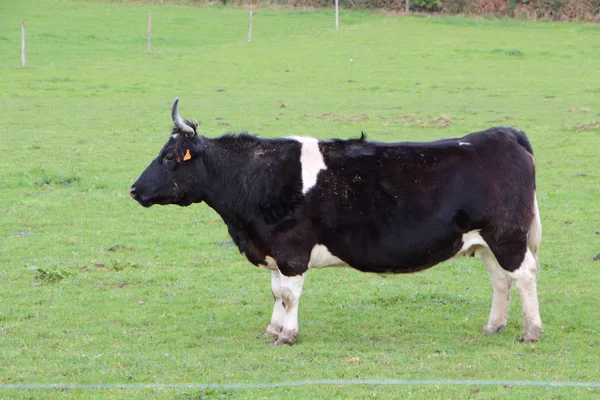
{"x": 278, "y": 317}
{"x": 291, "y": 289}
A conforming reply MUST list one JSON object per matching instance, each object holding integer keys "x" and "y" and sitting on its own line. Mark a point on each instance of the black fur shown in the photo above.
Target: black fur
{"x": 380, "y": 207}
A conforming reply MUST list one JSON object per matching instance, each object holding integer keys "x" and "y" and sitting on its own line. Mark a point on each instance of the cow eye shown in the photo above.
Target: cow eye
{"x": 169, "y": 157}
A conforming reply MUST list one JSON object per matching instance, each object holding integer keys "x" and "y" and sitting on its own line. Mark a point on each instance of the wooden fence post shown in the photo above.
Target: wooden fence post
{"x": 149, "y": 31}
{"x": 337, "y": 15}
{"x": 23, "y": 63}
{"x": 250, "y": 26}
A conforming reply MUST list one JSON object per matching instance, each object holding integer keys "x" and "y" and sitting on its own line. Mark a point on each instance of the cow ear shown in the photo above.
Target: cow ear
{"x": 190, "y": 135}
{"x": 198, "y": 146}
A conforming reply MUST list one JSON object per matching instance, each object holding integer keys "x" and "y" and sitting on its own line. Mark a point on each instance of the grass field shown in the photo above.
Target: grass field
{"x": 94, "y": 289}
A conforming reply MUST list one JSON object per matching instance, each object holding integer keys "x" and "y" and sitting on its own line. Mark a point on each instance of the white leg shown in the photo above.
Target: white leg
{"x": 278, "y": 316}
{"x": 501, "y": 282}
{"x": 526, "y": 280}
{"x": 291, "y": 289}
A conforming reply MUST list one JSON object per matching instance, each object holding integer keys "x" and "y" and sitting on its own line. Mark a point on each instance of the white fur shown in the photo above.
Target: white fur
{"x": 270, "y": 265}
{"x": 501, "y": 283}
{"x": 321, "y": 257}
{"x": 291, "y": 289}
{"x": 526, "y": 281}
{"x": 278, "y": 316}
{"x": 525, "y": 278}
{"x": 287, "y": 290}
{"x": 471, "y": 241}
{"x": 311, "y": 161}
{"x": 534, "y": 239}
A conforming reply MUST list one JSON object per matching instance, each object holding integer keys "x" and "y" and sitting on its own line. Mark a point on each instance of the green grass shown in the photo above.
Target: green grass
{"x": 123, "y": 294}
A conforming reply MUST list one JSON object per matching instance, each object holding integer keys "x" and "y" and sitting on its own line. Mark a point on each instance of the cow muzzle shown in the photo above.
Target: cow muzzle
{"x": 133, "y": 193}
{"x": 136, "y": 196}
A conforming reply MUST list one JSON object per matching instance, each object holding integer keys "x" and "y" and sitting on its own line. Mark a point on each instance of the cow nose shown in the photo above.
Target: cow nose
{"x": 133, "y": 193}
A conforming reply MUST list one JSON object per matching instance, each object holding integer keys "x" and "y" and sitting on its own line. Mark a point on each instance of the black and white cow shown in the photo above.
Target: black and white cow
{"x": 297, "y": 203}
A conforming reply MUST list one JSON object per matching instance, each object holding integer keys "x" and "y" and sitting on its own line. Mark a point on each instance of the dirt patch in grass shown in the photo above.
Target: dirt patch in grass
{"x": 436, "y": 122}
{"x": 119, "y": 247}
{"x": 588, "y": 127}
{"x": 439, "y": 122}
{"x": 336, "y": 117}
{"x": 578, "y": 109}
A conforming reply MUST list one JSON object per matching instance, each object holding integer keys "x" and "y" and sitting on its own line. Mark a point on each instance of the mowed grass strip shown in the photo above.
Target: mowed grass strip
{"x": 96, "y": 289}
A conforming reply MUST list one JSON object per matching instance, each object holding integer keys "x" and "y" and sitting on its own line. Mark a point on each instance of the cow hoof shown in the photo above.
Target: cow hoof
{"x": 531, "y": 335}
{"x": 491, "y": 329}
{"x": 286, "y": 338}
{"x": 272, "y": 331}
{"x": 282, "y": 341}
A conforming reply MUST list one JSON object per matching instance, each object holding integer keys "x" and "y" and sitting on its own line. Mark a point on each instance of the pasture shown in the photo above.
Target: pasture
{"x": 94, "y": 289}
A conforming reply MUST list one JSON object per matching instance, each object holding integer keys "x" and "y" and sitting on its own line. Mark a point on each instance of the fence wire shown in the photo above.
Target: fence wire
{"x": 273, "y": 385}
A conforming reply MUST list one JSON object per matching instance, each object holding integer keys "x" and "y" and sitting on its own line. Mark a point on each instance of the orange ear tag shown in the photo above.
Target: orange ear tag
{"x": 187, "y": 155}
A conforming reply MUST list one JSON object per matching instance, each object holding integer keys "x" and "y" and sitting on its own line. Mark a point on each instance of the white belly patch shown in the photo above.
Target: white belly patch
{"x": 320, "y": 257}
{"x": 471, "y": 240}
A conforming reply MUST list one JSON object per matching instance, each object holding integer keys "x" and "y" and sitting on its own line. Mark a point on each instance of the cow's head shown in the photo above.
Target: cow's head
{"x": 177, "y": 175}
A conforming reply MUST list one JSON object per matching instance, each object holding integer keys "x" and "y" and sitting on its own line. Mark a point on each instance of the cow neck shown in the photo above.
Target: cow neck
{"x": 241, "y": 173}
{"x": 225, "y": 173}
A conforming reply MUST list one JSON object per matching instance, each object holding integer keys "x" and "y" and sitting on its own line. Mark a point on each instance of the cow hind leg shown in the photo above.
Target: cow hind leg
{"x": 501, "y": 285}
{"x": 525, "y": 278}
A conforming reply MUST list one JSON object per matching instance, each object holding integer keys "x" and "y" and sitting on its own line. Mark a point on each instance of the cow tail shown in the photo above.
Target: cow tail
{"x": 534, "y": 238}
{"x": 535, "y": 231}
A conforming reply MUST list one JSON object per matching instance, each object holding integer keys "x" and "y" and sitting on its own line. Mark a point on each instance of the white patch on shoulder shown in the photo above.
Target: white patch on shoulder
{"x": 464, "y": 144}
{"x": 311, "y": 161}
{"x": 320, "y": 257}
{"x": 471, "y": 240}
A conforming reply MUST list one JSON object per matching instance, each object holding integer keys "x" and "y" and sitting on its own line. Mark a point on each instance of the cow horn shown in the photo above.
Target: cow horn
{"x": 178, "y": 121}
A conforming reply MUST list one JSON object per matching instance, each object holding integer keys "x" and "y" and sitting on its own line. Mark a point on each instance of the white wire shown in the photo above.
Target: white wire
{"x": 368, "y": 382}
